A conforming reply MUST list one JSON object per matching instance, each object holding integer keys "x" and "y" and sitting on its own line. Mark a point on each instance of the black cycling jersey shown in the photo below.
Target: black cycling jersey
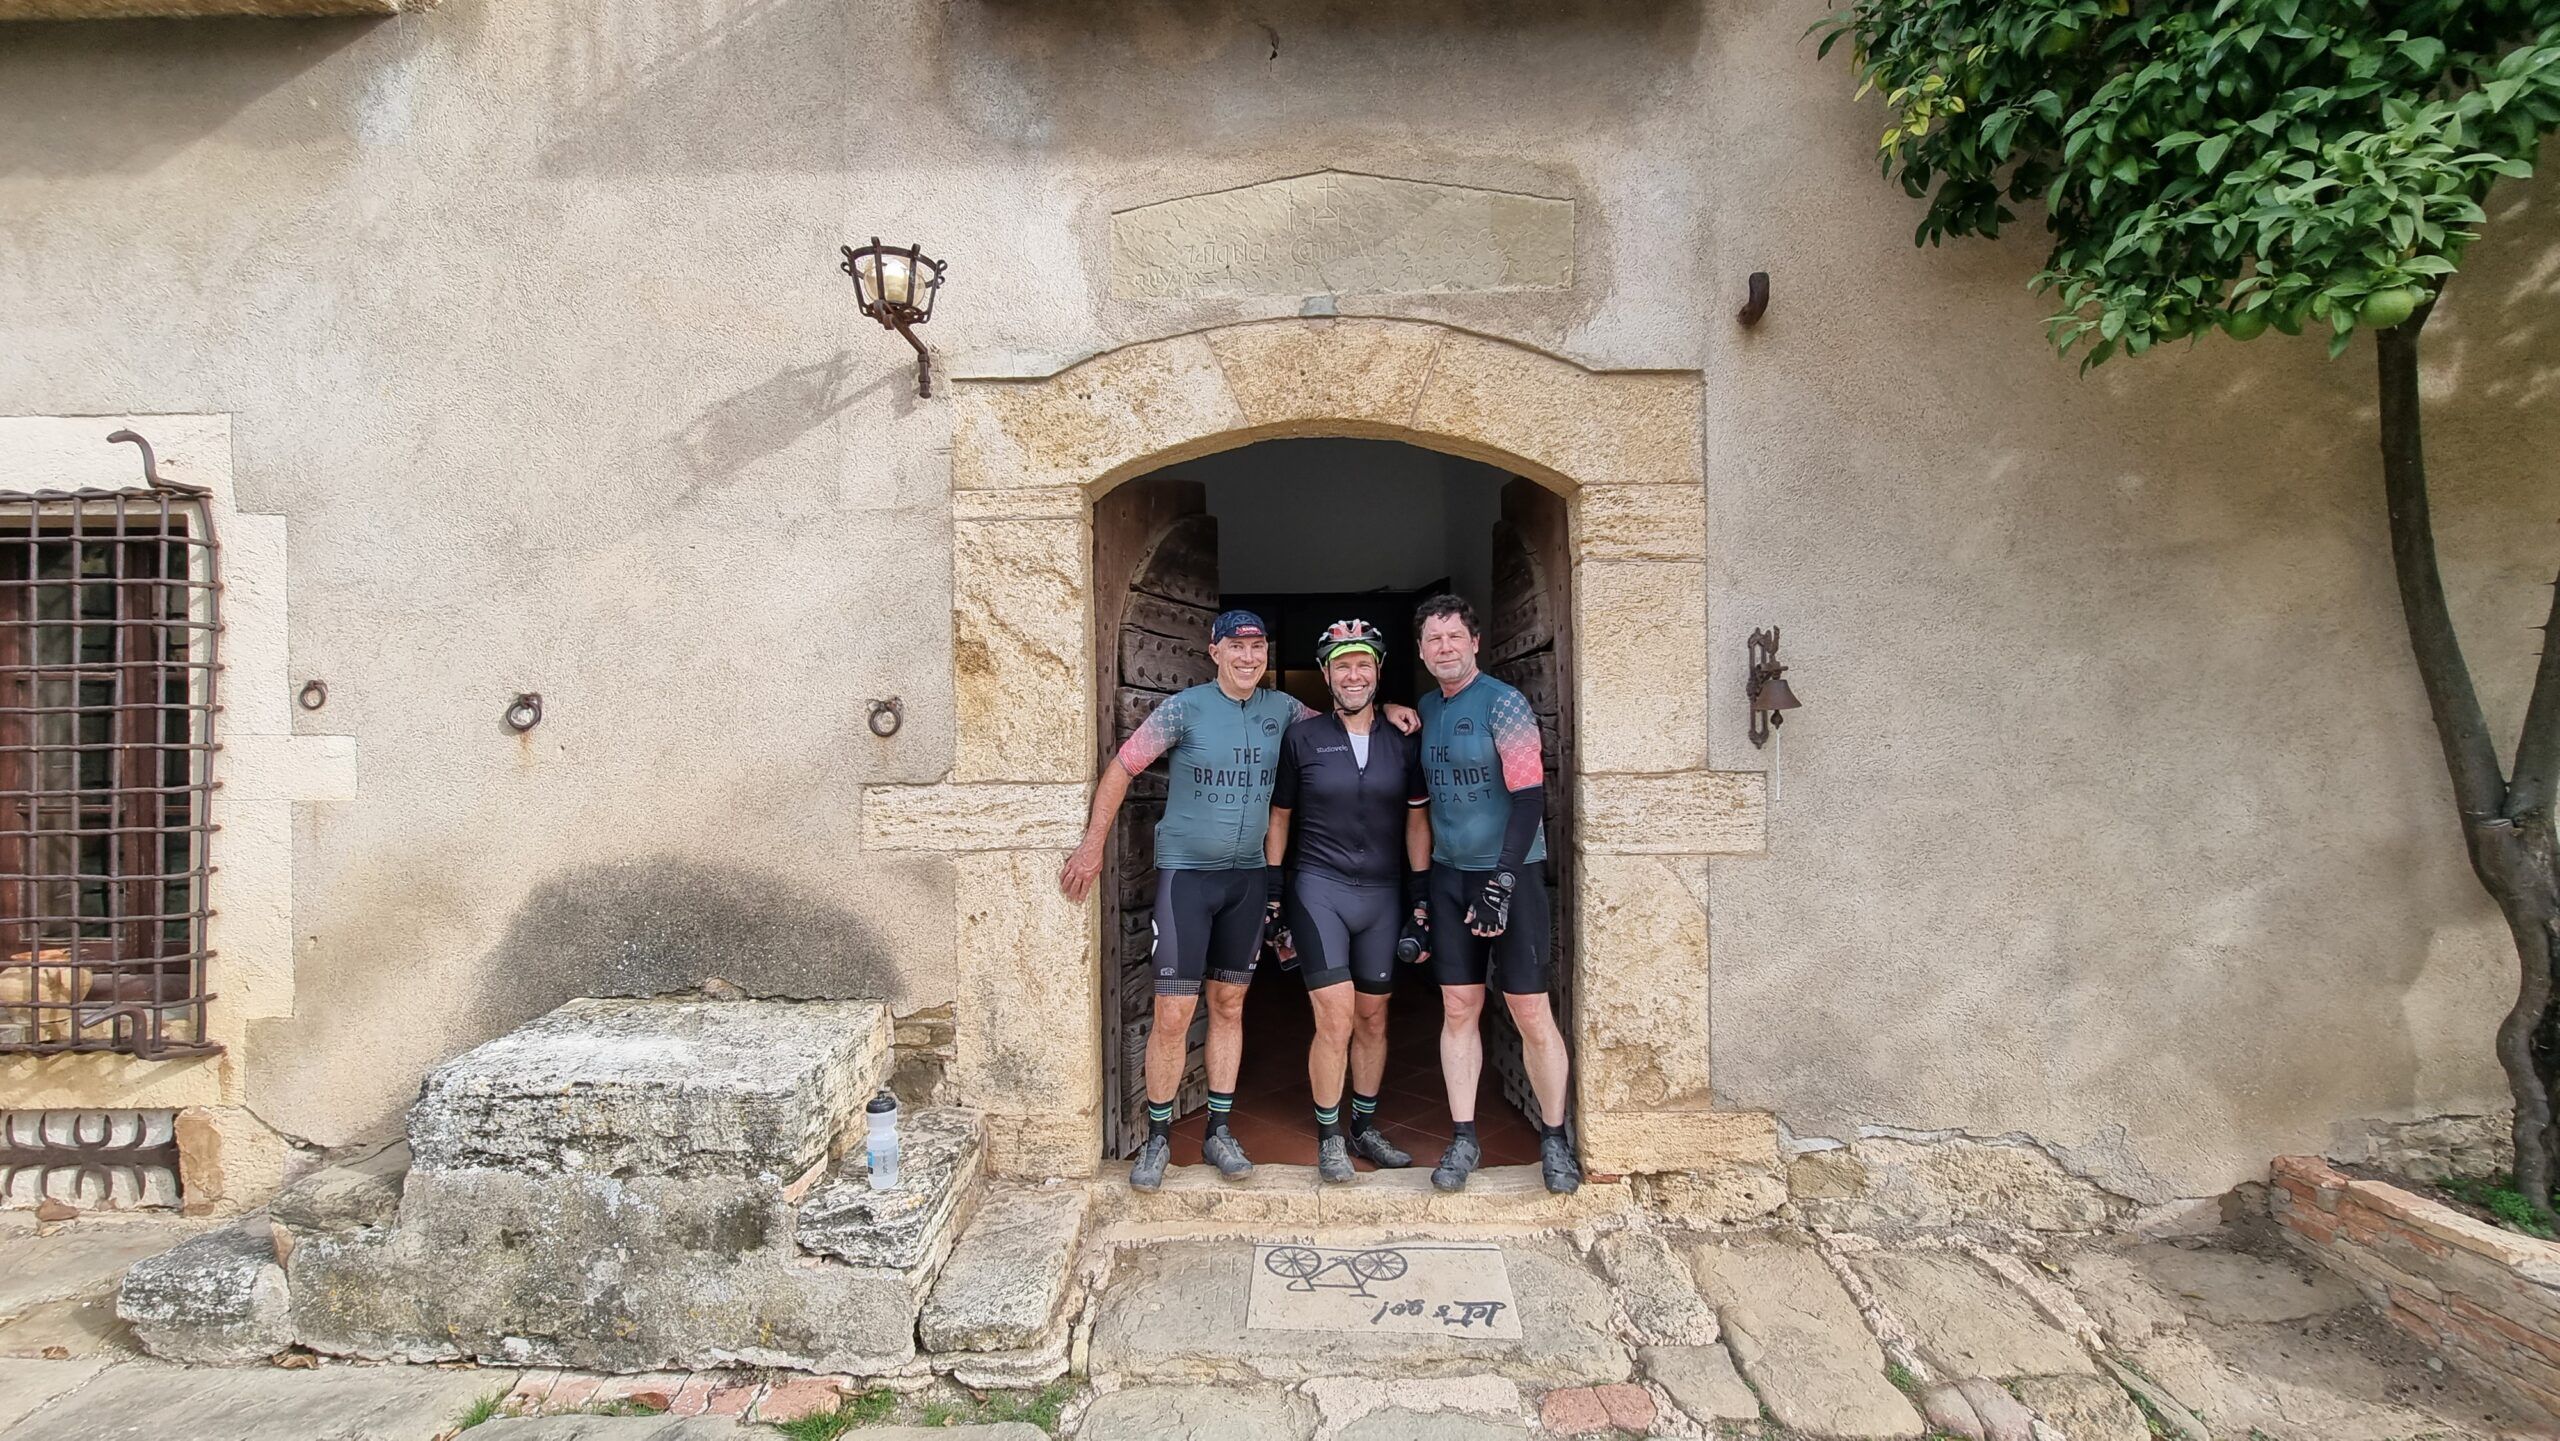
{"x": 1347, "y": 820}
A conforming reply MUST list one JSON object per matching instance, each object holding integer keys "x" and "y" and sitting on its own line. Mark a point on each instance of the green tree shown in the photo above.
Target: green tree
{"x": 2250, "y": 165}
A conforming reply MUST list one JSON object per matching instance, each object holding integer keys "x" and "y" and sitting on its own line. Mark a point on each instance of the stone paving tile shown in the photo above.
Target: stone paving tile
{"x": 70, "y": 1330}
{"x": 84, "y": 1258}
{"x": 26, "y": 1386}
{"x": 1175, "y": 1311}
{"x": 732, "y": 1398}
{"x": 1198, "y": 1413}
{"x": 2084, "y": 1408}
{"x": 1966, "y": 1321}
{"x": 1398, "y": 1424}
{"x": 617, "y": 1428}
{"x": 1573, "y": 1411}
{"x": 1701, "y": 1381}
{"x": 1800, "y": 1339}
{"x": 146, "y": 1401}
{"x": 532, "y": 1389}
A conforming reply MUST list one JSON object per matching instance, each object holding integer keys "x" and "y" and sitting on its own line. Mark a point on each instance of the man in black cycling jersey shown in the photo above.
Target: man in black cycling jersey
{"x": 1220, "y": 742}
{"x": 1352, "y": 795}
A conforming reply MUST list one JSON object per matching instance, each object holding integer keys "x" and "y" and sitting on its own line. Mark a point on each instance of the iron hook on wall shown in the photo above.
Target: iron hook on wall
{"x": 524, "y": 712}
{"x": 1756, "y": 303}
{"x": 886, "y": 717}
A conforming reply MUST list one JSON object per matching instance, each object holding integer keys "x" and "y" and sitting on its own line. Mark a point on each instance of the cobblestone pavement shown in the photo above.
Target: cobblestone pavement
{"x": 1768, "y": 1334}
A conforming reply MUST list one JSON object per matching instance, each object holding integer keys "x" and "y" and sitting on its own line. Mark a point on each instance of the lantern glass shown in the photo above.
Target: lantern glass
{"x": 893, "y": 280}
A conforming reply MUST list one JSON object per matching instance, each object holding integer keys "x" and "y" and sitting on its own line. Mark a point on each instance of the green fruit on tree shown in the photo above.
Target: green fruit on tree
{"x": 2289, "y": 320}
{"x": 2062, "y": 39}
{"x": 2386, "y": 308}
{"x": 2246, "y": 325}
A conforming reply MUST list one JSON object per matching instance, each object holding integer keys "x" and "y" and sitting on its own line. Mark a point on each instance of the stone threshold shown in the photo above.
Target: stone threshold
{"x": 1497, "y": 1198}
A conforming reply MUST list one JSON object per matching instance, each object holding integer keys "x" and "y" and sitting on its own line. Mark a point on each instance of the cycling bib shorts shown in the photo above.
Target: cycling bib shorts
{"x": 1515, "y": 962}
{"x": 1207, "y": 924}
{"x": 1345, "y": 932}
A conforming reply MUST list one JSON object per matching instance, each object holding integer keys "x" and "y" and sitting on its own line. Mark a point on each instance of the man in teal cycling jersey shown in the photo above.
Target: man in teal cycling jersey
{"x": 1214, "y": 900}
{"x": 1484, "y": 760}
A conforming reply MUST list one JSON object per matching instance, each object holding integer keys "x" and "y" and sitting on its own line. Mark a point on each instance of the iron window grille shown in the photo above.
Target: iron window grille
{"x": 108, "y": 624}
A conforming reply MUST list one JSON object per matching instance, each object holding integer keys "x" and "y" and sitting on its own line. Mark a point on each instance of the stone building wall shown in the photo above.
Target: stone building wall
{"x": 2113, "y": 820}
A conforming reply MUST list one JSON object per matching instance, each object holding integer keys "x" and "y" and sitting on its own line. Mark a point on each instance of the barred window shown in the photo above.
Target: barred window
{"x": 107, "y": 666}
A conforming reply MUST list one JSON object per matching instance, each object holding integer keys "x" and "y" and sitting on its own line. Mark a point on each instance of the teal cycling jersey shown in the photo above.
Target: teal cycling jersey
{"x": 1222, "y": 757}
{"x": 1478, "y": 747}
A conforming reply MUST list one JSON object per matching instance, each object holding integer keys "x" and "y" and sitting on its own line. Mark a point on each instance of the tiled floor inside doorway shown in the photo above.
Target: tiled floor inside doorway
{"x": 1275, "y": 1117}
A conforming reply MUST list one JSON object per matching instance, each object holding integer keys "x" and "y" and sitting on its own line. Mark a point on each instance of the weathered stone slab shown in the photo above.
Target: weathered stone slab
{"x": 69, "y": 1330}
{"x": 1701, "y": 1381}
{"x": 2084, "y": 1408}
{"x": 1339, "y": 233}
{"x": 599, "y": 1274}
{"x": 1642, "y": 522}
{"x": 1701, "y": 1141}
{"x": 996, "y": 816}
{"x": 1643, "y": 922}
{"x": 1198, "y": 1413}
{"x": 345, "y": 1197}
{"x": 27, "y": 1385}
{"x": 1966, "y": 1321}
{"x": 1176, "y": 1312}
{"x": 1884, "y": 1181}
{"x": 1797, "y": 1335}
{"x": 217, "y": 1299}
{"x": 627, "y": 1428}
{"x": 1020, "y": 612}
{"x": 1690, "y": 812}
{"x": 939, "y": 1151}
{"x": 1008, "y": 1273}
{"x": 1644, "y": 704}
{"x": 1398, "y": 1424}
{"x": 81, "y": 1260}
{"x": 337, "y": 1403}
{"x": 656, "y": 1088}
{"x": 1654, "y": 1288}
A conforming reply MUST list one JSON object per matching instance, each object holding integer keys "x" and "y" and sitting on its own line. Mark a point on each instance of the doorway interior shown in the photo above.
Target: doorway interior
{"x": 1305, "y": 532}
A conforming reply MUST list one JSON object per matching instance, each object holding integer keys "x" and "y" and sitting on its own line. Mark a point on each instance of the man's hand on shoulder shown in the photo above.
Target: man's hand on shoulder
{"x": 1402, "y": 717}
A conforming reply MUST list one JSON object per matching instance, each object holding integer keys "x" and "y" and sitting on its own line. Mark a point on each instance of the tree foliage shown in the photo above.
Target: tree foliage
{"x": 2241, "y": 164}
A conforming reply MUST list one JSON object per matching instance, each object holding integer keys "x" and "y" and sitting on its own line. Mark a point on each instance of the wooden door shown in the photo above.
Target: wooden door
{"x": 1155, "y": 576}
{"x": 1528, "y": 643}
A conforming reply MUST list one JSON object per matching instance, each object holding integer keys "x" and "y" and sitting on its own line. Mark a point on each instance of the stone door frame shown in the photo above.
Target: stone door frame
{"x": 1028, "y": 459}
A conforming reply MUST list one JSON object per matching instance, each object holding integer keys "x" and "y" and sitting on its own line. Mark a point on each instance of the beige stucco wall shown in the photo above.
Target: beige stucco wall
{"x": 2112, "y": 819}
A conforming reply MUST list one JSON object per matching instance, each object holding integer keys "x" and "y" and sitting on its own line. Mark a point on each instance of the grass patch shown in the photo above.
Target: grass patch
{"x": 2498, "y": 1196}
{"x": 1901, "y": 1377}
{"x": 487, "y": 1408}
{"x": 1041, "y": 1408}
{"x": 863, "y": 1408}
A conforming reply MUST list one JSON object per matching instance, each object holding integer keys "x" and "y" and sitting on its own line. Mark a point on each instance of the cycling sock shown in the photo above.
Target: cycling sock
{"x": 1220, "y": 1102}
{"x": 1545, "y": 1130}
{"x": 1466, "y": 1129}
{"x": 1364, "y": 1113}
{"x": 1159, "y": 1119}
{"x": 1328, "y": 1122}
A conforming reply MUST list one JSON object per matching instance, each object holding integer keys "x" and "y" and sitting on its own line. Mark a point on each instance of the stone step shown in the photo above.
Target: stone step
{"x": 646, "y": 1273}
{"x": 743, "y": 1090}
{"x": 1294, "y": 1198}
{"x": 1001, "y": 1310}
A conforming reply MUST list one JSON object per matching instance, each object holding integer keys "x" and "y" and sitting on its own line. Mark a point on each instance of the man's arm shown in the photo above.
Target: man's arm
{"x": 1275, "y": 841}
{"x": 1417, "y": 838}
{"x": 1153, "y": 737}
{"x": 1084, "y": 863}
{"x": 1518, "y": 744}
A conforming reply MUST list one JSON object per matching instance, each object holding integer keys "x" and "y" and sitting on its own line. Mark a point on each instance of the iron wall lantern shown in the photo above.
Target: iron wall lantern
{"x": 895, "y": 285}
{"x": 1771, "y": 696}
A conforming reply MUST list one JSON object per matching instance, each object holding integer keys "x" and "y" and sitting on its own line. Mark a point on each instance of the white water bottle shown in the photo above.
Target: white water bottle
{"x": 881, "y": 1145}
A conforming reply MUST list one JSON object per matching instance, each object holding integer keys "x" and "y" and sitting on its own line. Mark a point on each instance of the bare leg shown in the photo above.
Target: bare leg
{"x": 1226, "y": 1032}
{"x": 1167, "y": 1042}
{"x": 1461, "y": 1047}
{"x": 1542, "y": 1052}
{"x": 1330, "y": 1050}
{"x": 1368, "y": 1043}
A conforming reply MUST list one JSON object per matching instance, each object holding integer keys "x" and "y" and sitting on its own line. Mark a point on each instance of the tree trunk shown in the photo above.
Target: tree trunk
{"x": 2506, "y": 826}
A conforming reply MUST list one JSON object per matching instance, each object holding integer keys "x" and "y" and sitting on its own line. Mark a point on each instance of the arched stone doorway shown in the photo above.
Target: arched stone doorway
{"x": 1029, "y": 459}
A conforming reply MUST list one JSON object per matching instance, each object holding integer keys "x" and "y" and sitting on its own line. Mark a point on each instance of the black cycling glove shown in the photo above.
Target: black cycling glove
{"x": 1413, "y": 943}
{"x": 1490, "y": 913}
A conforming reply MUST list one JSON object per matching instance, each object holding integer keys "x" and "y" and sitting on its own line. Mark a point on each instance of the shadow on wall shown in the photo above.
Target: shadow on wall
{"x": 653, "y": 925}
{"x": 755, "y": 86}
{"x": 767, "y": 417}
{"x": 122, "y": 96}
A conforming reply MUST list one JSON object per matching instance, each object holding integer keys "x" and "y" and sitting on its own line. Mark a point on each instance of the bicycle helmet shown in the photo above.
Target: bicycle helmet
{"x": 1349, "y": 635}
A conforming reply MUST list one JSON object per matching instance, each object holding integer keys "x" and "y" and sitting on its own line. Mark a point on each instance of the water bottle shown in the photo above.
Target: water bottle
{"x": 881, "y": 1145}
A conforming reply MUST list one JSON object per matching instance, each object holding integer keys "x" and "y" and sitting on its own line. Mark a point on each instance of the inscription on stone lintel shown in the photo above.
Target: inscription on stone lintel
{"x": 1337, "y": 233}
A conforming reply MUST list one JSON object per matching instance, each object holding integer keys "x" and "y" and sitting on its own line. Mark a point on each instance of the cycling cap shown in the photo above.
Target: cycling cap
{"x": 1235, "y": 623}
{"x": 1349, "y": 635}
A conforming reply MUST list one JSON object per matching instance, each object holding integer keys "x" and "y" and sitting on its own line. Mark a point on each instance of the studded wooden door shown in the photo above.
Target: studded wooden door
{"x": 1156, "y": 587}
{"x": 1528, "y": 643}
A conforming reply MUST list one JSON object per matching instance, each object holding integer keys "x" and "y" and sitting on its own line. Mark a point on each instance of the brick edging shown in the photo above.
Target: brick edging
{"x": 2486, "y": 1299}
